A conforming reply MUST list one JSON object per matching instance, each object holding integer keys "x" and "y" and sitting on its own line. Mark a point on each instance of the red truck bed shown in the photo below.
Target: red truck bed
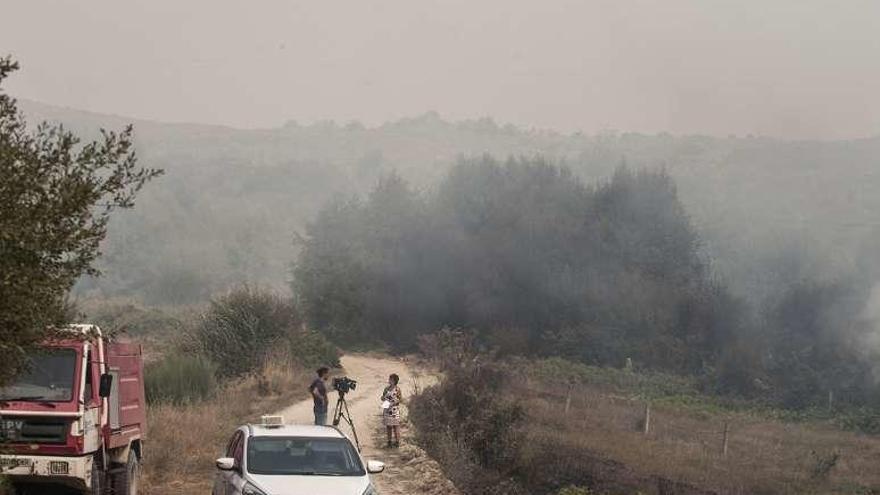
{"x": 128, "y": 408}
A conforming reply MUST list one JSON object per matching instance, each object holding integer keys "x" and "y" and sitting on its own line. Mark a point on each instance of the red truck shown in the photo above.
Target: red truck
{"x": 76, "y": 416}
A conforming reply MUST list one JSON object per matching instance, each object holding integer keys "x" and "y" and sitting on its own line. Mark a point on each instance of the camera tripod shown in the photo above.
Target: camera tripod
{"x": 340, "y": 412}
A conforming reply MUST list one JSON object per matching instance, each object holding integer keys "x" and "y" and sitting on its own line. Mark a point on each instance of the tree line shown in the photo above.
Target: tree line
{"x": 534, "y": 261}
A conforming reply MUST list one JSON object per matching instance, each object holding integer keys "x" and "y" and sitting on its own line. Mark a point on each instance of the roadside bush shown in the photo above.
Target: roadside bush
{"x": 449, "y": 348}
{"x": 465, "y": 420}
{"x": 863, "y": 419}
{"x": 240, "y": 328}
{"x": 186, "y": 439}
{"x": 180, "y": 379}
{"x": 311, "y": 349}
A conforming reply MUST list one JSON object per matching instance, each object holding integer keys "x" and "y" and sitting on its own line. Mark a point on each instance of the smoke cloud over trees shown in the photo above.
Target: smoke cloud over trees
{"x": 537, "y": 262}
{"x": 779, "y": 236}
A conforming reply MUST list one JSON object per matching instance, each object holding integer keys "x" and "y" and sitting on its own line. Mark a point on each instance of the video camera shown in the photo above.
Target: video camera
{"x": 344, "y": 385}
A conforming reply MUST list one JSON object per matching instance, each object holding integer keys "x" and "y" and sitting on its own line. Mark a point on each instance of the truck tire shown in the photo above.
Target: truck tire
{"x": 125, "y": 480}
{"x": 97, "y": 477}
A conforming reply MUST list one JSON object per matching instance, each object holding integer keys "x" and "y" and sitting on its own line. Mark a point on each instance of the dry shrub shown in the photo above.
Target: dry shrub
{"x": 449, "y": 349}
{"x": 184, "y": 440}
{"x": 179, "y": 378}
{"x": 471, "y": 429}
{"x": 242, "y": 327}
{"x": 599, "y": 445}
{"x": 252, "y": 339}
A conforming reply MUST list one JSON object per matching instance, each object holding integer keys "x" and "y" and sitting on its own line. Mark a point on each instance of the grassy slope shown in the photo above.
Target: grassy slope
{"x": 765, "y": 454}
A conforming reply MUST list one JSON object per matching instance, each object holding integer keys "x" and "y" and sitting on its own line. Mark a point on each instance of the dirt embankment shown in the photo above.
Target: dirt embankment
{"x": 409, "y": 470}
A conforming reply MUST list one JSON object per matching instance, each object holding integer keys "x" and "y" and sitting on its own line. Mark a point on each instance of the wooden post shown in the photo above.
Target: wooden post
{"x": 830, "y": 400}
{"x": 568, "y": 399}
{"x": 724, "y": 442}
{"x": 647, "y": 417}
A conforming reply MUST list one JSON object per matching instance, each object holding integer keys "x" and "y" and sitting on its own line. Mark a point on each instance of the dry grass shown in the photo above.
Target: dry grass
{"x": 184, "y": 441}
{"x": 764, "y": 456}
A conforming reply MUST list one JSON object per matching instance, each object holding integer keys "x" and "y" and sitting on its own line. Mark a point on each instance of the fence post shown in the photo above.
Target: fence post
{"x": 830, "y": 400}
{"x": 724, "y": 442}
{"x": 647, "y": 417}
{"x": 568, "y": 399}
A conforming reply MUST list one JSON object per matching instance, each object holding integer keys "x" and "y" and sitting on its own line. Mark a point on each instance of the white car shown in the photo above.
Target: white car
{"x": 277, "y": 459}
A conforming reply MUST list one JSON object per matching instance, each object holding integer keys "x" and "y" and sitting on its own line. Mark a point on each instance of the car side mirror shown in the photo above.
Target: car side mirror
{"x": 225, "y": 463}
{"x": 106, "y": 385}
{"x": 375, "y": 467}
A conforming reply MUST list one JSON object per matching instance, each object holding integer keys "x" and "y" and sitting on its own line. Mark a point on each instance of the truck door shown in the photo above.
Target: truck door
{"x": 91, "y": 422}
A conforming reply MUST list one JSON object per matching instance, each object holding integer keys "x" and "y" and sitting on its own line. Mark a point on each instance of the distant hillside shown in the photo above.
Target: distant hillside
{"x": 231, "y": 201}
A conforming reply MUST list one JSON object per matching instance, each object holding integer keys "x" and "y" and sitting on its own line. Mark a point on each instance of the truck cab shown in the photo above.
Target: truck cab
{"x": 77, "y": 415}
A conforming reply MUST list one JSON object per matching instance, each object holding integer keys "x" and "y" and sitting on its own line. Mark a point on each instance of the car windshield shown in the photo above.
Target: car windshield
{"x": 303, "y": 456}
{"x": 48, "y": 377}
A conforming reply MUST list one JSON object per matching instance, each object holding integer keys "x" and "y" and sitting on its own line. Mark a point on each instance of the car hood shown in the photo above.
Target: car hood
{"x": 311, "y": 485}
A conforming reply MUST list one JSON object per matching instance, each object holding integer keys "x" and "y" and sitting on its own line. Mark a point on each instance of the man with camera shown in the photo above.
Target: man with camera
{"x": 319, "y": 394}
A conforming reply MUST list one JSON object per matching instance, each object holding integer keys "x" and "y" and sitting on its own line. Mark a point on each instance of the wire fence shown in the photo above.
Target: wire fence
{"x": 732, "y": 451}
{"x": 616, "y": 412}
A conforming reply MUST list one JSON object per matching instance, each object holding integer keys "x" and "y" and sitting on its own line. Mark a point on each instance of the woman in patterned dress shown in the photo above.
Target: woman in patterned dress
{"x": 391, "y": 414}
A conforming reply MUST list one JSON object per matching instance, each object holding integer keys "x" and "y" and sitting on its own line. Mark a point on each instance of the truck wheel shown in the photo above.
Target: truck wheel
{"x": 125, "y": 481}
{"x": 97, "y": 476}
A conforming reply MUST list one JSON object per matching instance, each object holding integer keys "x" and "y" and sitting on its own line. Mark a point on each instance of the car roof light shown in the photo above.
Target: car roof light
{"x": 272, "y": 421}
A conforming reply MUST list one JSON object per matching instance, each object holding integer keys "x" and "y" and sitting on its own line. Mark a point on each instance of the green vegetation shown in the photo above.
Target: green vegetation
{"x": 180, "y": 379}
{"x": 650, "y": 385}
{"x": 56, "y": 198}
{"x": 234, "y": 197}
{"x": 241, "y": 356}
{"x": 312, "y": 349}
{"x": 696, "y": 444}
{"x": 715, "y": 286}
{"x": 472, "y": 430}
{"x": 240, "y": 330}
{"x": 246, "y": 332}
{"x": 686, "y": 393}
{"x": 516, "y": 250}
{"x": 537, "y": 263}
{"x": 791, "y": 276}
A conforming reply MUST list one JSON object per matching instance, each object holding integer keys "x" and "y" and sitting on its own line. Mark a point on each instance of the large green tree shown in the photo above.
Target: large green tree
{"x": 56, "y": 197}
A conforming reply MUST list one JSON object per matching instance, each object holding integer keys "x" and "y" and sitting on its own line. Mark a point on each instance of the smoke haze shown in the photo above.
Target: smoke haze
{"x": 771, "y": 261}
{"x": 787, "y": 68}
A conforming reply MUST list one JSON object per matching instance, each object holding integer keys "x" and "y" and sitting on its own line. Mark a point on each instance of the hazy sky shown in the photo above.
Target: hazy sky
{"x": 791, "y": 68}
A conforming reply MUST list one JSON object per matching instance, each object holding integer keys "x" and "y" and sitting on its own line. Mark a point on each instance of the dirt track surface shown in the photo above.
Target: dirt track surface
{"x": 409, "y": 471}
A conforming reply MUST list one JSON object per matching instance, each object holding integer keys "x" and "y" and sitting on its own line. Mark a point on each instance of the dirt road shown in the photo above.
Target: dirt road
{"x": 409, "y": 471}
